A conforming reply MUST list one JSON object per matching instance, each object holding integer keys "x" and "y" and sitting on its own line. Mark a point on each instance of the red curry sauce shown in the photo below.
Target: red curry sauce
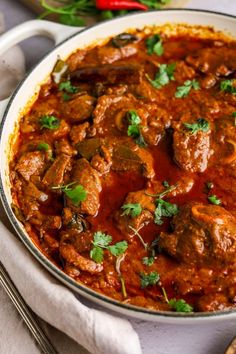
{"x": 129, "y": 120}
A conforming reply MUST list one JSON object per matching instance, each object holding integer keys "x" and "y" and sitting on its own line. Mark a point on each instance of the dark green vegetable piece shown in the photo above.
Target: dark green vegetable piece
{"x": 43, "y": 146}
{"x": 123, "y": 39}
{"x": 180, "y": 305}
{"x": 148, "y": 261}
{"x": 66, "y": 86}
{"x": 134, "y": 128}
{"x": 89, "y": 147}
{"x": 119, "y": 248}
{"x": 131, "y": 209}
{"x": 200, "y": 125}
{"x": 149, "y": 279}
{"x": 228, "y": 86}
{"x": 164, "y": 209}
{"x": 183, "y": 91}
{"x": 164, "y": 76}
{"x": 214, "y": 200}
{"x": 59, "y": 71}
{"x": 49, "y": 122}
{"x": 154, "y": 45}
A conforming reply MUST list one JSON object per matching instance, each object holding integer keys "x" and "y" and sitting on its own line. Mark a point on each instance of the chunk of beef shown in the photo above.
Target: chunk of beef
{"x": 109, "y": 54}
{"x": 61, "y": 132}
{"x": 109, "y": 106}
{"x": 63, "y": 147}
{"x": 109, "y": 74}
{"x": 32, "y": 191}
{"x": 88, "y": 177}
{"x": 81, "y": 241}
{"x": 31, "y": 163}
{"x": 183, "y": 72}
{"x": 78, "y": 109}
{"x": 148, "y": 207}
{"x": 191, "y": 151}
{"x": 54, "y": 176}
{"x": 208, "y": 60}
{"x": 224, "y": 141}
{"x": 159, "y": 119}
{"x": 78, "y": 132}
{"x": 202, "y": 234}
{"x": 69, "y": 253}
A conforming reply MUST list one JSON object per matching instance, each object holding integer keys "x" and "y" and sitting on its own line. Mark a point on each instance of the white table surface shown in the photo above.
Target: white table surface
{"x": 155, "y": 338}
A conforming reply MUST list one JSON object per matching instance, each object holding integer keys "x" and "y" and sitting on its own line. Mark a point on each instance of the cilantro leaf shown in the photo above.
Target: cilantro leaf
{"x": 67, "y": 87}
{"x": 101, "y": 239}
{"x": 166, "y": 184}
{"x": 200, "y": 125}
{"x": 96, "y": 254}
{"x": 154, "y": 45}
{"x": 148, "y": 261}
{"x": 43, "y": 146}
{"x": 165, "y": 209}
{"x": 149, "y": 279}
{"x": 183, "y": 91}
{"x": 134, "y": 118}
{"x": 134, "y": 128}
{"x": 76, "y": 194}
{"x": 180, "y": 305}
{"x": 119, "y": 248}
{"x": 131, "y": 209}
{"x": 49, "y": 122}
{"x": 214, "y": 200}
{"x": 228, "y": 86}
{"x": 163, "y": 77}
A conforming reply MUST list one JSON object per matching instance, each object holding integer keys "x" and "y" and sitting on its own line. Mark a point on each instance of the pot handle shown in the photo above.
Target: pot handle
{"x": 53, "y": 30}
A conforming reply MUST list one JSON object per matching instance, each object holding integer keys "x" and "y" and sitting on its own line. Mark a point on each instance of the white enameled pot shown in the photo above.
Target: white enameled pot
{"x": 67, "y": 40}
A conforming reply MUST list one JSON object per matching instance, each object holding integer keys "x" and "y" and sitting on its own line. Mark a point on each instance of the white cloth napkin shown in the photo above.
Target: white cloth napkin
{"x": 97, "y": 331}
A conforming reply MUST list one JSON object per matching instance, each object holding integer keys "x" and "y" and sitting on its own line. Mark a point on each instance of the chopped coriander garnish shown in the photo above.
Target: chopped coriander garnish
{"x": 119, "y": 248}
{"x": 131, "y": 209}
{"x": 180, "y": 305}
{"x": 96, "y": 254}
{"x": 214, "y": 200}
{"x": 43, "y": 146}
{"x": 148, "y": 260}
{"x": 164, "y": 209}
{"x": 234, "y": 114}
{"x": 200, "y": 125}
{"x": 102, "y": 241}
{"x": 66, "y": 97}
{"x": 183, "y": 91}
{"x": 66, "y": 86}
{"x": 134, "y": 128}
{"x": 163, "y": 77}
{"x": 177, "y": 305}
{"x": 149, "y": 279}
{"x": 228, "y": 86}
{"x": 49, "y": 122}
{"x": 76, "y": 194}
{"x": 154, "y": 45}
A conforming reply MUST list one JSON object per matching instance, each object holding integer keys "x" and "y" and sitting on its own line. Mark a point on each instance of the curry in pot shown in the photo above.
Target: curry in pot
{"x": 124, "y": 170}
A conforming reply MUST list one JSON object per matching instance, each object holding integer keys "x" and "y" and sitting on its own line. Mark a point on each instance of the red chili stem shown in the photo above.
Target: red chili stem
{"x": 120, "y": 5}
